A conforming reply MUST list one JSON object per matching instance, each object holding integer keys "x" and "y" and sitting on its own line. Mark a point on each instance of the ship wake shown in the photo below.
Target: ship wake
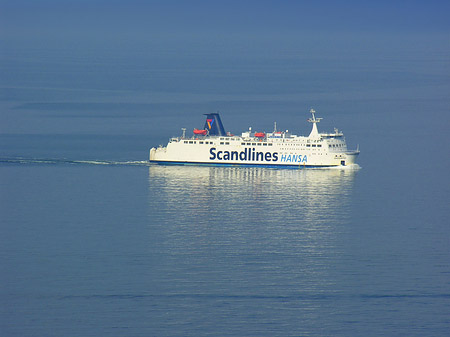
{"x": 53, "y": 161}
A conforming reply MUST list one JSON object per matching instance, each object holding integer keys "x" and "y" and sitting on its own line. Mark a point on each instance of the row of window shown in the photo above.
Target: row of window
{"x": 194, "y": 142}
{"x": 225, "y": 143}
{"x": 229, "y": 139}
{"x": 257, "y": 144}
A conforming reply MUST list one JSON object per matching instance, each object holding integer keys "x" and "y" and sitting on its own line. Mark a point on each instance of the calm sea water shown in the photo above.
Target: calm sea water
{"x": 96, "y": 242}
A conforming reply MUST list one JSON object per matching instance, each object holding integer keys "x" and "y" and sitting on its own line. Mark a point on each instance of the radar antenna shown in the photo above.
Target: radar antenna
{"x": 314, "y": 132}
{"x": 314, "y": 119}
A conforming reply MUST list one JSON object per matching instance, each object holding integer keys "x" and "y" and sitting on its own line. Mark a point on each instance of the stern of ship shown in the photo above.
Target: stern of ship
{"x": 152, "y": 153}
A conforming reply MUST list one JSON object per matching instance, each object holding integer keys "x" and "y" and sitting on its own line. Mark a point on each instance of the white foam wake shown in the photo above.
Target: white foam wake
{"x": 53, "y": 161}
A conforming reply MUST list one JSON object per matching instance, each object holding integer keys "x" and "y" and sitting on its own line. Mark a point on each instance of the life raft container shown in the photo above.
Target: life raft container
{"x": 200, "y": 132}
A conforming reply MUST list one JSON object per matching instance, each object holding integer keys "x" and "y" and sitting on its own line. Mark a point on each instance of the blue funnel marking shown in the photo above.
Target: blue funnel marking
{"x": 214, "y": 125}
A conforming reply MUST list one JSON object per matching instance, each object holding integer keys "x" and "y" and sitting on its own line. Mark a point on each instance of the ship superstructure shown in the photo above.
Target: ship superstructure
{"x": 212, "y": 145}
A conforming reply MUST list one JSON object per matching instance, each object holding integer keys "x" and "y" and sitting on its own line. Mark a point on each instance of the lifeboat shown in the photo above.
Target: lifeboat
{"x": 200, "y": 132}
{"x": 260, "y": 134}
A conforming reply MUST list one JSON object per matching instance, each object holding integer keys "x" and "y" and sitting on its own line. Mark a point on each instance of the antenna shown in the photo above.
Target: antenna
{"x": 314, "y": 119}
{"x": 314, "y": 132}
{"x": 184, "y": 132}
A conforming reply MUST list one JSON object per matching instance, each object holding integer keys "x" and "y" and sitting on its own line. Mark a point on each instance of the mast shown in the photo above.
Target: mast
{"x": 314, "y": 132}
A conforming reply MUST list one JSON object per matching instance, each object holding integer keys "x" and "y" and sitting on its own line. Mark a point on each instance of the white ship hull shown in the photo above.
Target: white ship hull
{"x": 277, "y": 149}
{"x": 233, "y": 155}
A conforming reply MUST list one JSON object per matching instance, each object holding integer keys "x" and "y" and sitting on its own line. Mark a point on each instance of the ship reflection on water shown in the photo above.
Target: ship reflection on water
{"x": 236, "y": 234}
{"x": 208, "y": 195}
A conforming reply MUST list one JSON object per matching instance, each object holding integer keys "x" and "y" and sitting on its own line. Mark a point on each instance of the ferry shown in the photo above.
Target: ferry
{"x": 212, "y": 145}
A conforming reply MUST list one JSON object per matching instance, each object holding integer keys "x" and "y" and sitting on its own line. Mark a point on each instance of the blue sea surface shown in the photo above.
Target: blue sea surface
{"x": 95, "y": 241}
